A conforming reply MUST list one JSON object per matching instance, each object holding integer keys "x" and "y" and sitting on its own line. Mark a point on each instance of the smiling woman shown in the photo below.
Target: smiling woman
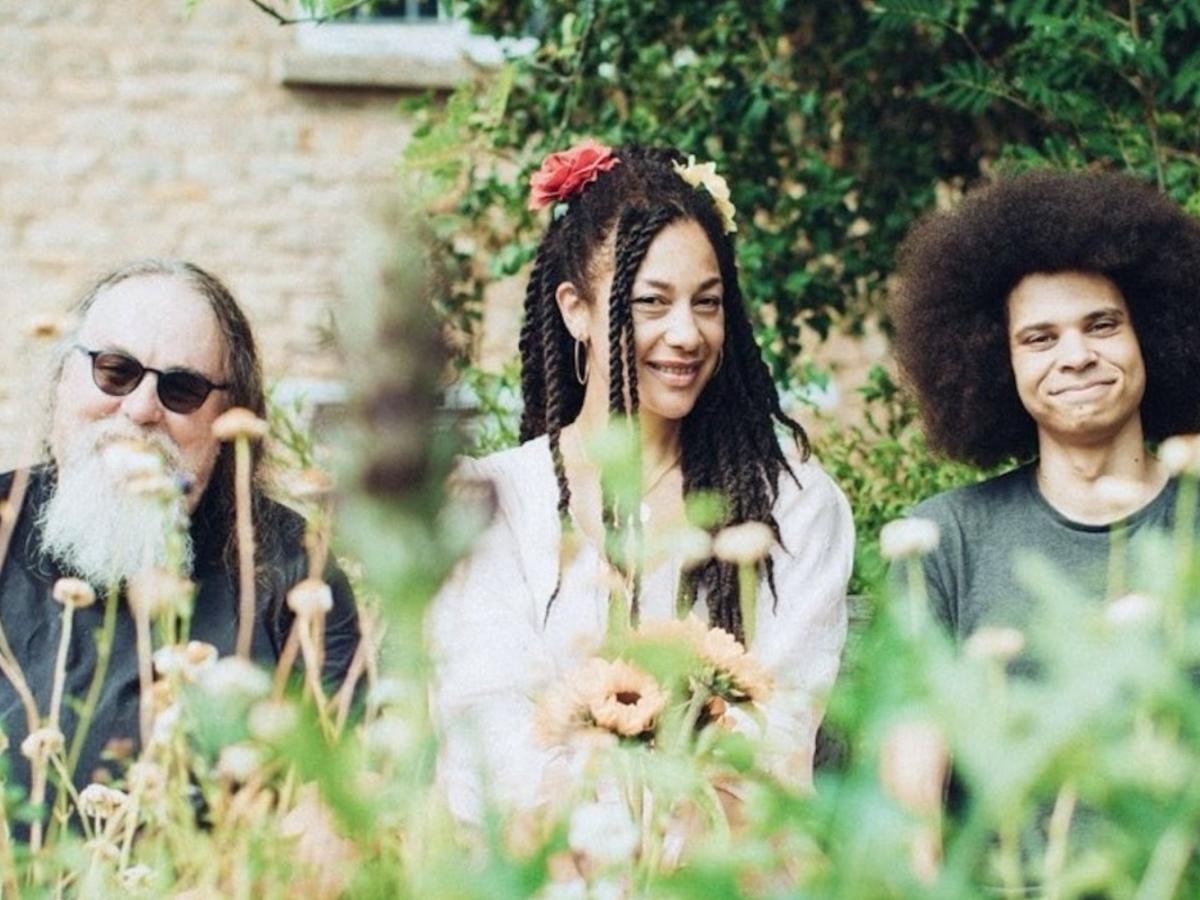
{"x": 634, "y": 314}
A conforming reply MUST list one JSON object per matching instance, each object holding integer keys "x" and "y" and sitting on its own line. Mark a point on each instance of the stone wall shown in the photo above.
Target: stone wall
{"x": 130, "y": 128}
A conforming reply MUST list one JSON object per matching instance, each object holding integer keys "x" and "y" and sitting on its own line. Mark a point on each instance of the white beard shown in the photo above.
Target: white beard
{"x": 95, "y": 527}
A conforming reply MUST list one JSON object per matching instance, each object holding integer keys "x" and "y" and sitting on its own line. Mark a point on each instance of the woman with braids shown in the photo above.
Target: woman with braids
{"x": 1052, "y": 319}
{"x": 633, "y": 310}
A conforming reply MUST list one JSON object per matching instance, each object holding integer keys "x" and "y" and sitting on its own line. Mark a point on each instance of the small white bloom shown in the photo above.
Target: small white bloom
{"x": 908, "y": 537}
{"x": 272, "y": 720}
{"x": 991, "y": 642}
{"x": 146, "y": 779}
{"x": 745, "y": 543}
{"x": 99, "y": 801}
{"x": 1181, "y": 454}
{"x": 1131, "y": 610}
{"x": 239, "y": 422}
{"x": 239, "y": 762}
{"x": 604, "y": 832}
{"x": 388, "y": 736}
{"x": 136, "y": 878}
{"x": 386, "y": 692}
{"x": 913, "y": 761}
{"x": 860, "y": 227}
{"x": 1119, "y": 495}
{"x": 166, "y": 724}
{"x": 310, "y": 598}
{"x": 74, "y": 592}
{"x": 42, "y": 743}
{"x": 233, "y": 678}
{"x": 684, "y": 57}
{"x": 156, "y": 591}
{"x": 130, "y": 459}
{"x": 694, "y": 546}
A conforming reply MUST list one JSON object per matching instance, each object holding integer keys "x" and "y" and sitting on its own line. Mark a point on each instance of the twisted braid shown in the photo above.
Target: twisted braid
{"x": 728, "y": 441}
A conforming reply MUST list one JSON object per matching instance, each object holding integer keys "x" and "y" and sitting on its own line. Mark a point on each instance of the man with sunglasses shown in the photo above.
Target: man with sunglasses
{"x": 161, "y": 350}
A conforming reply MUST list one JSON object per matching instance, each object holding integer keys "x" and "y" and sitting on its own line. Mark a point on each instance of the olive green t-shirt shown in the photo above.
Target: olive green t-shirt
{"x": 986, "y": 528}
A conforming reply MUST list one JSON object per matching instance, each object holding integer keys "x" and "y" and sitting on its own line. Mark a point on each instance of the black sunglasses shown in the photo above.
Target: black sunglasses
{"x": 179, "y": 390}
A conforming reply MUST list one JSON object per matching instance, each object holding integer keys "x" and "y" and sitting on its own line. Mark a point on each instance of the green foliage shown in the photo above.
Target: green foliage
{"x": 833, "y": 121}
{"x": 885, "y": 467}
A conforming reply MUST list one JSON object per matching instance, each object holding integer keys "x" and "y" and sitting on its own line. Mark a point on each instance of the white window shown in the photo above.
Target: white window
{"x": 404, "y": 44}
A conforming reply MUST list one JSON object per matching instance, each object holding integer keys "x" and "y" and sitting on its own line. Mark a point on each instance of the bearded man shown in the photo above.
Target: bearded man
{"x": 161, "y": 350}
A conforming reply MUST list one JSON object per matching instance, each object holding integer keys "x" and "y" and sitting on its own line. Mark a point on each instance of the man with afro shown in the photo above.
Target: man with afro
{"x": 1051, "y": 320}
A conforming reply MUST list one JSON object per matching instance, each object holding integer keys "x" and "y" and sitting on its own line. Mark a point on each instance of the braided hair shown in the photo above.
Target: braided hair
{"x": 728, "y": 440}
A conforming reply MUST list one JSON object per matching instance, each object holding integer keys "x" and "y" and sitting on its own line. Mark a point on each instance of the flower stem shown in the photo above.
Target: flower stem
{"x": 747, "y": 599}
{"x": 245, "y": 541}
{"x": 60, "y": 665}
{"x": 141, "y": 618}
{"x": 1056, "y": 842}
{"x": 104, "y": 643}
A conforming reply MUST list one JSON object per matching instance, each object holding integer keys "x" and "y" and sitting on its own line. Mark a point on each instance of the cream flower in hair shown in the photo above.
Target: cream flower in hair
{"x": 705, "y": 175}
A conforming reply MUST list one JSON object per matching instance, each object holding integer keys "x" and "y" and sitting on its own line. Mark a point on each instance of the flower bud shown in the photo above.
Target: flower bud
{"x": 990, "y": 642}
{"x": 99, "y": 801}
{"x": 74, "y": 592}
{"x": 239, "y": 422}
{"x": 1181, "y": 454}
{"x": 743, "y": 544}
{"x": 42, "y": 743}
{"x": 234, "y": 679}
{"x": 908, "y": 537}
{"x": 913, "y": 761}
{"x": 272, "y": 720}
{"x": 310, "y": 598}
{"x": 239, "y": 762}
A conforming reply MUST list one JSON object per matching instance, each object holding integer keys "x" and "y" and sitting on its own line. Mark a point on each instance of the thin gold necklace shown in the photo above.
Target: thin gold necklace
{"x": 644, "y": 512}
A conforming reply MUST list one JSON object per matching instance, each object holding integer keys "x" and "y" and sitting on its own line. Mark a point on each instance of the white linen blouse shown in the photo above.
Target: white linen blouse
{"x": 495, "y": 650}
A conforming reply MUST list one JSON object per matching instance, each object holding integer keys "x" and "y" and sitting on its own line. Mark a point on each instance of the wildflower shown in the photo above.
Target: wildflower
{"x": 308, "y": 484}
{"x": 310, "y": 598}
{"x": 104, "y": 849}
{"x": 166, "y": 724}
{"x": 705, "y": 175}
{"x": 272, "y": 720}
{"x": 239, "y": 762}
{"x": 185, "y": 660}
{"x": 623, "y": 699}
{"x": 747, "y": 677}
{"x": 130, "y": 459}
{"x": 743, "y": 544}
{"x": 42, "y": 743}
{"x": 860, "y": 227}
{"x": 1119, "y": 495}
{"x": 239, "y": 422}
{"x": 388, "y": 736}
{"x": 135, "y": 878}
{"x": 694, "y": 546}
{"x": 1131, "y": 610}
{"x": 991, "y": 642}
{"x": 156, "y": 591}
{"x": 908, "y": 537}
{"x": 234, "y": 678}
{"x": 385, "y": 692}
{"x": 1181, "y": 454}
{"x": 99, "y": 801}
{"x": 74, "y": 592}
{"x": 913, "y": 762}
{"x": 603, "y": 832}
{"x": 146, "y": 779}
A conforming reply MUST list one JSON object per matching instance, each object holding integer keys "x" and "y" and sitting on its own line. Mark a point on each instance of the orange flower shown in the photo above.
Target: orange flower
{"x": 564, "y": 174}
{"x": 610, "y": 695}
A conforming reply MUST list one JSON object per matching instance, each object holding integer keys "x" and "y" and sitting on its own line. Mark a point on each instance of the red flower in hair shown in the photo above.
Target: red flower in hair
{"x": 564, "y": 174}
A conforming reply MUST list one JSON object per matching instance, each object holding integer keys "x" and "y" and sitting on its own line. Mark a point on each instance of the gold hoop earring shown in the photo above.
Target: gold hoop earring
{"x": 581, "y": 369}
